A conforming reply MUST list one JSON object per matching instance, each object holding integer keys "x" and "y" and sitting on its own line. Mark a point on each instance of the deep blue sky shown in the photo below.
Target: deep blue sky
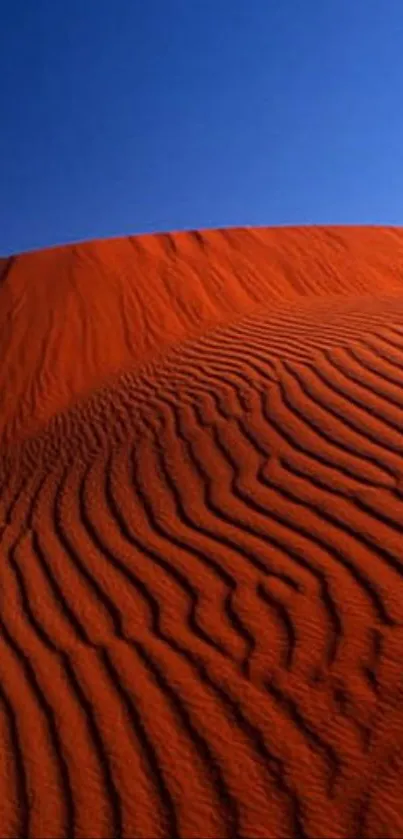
{"x": 126, "y": 116}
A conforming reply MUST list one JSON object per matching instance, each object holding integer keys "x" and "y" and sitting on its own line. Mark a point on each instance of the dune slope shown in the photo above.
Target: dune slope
{"x": 201, "y": 506}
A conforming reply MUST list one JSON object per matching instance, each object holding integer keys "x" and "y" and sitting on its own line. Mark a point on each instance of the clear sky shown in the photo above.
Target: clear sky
{"x": 129, "y": 116}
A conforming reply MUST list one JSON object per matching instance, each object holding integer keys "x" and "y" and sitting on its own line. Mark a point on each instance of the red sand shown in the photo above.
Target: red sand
{"x": 201, "y": 506}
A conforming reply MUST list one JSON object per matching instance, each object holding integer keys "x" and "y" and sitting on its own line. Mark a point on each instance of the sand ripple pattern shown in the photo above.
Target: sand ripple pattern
{"x": 201, "y": 591}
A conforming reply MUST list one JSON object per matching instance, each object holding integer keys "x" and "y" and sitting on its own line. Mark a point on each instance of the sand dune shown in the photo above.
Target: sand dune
{"x": 201, "y": 506}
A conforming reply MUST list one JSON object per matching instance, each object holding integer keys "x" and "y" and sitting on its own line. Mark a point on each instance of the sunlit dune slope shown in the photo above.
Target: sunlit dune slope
{"x": 201, "y": 553}
{"x": 70, "y": 316}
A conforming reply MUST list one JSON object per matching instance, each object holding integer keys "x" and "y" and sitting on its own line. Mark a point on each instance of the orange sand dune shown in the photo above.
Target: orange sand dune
{"x": 70, "y": 316}
{"x": 201, "y": 507}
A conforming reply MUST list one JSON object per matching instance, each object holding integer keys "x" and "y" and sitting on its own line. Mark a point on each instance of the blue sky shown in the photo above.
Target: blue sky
{"x": 129, "y": 116}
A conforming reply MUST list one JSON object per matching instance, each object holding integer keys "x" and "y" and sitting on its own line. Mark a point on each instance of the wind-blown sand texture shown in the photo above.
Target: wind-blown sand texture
{"x": 201, "y": 507}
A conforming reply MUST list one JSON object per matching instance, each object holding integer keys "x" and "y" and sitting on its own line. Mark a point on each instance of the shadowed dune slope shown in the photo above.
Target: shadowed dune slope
{"x": 201, "y": 506}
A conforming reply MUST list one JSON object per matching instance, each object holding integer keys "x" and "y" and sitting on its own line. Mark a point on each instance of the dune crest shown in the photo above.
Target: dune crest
{"x": 201, "y": 506}
{"x": 114, "y": 304}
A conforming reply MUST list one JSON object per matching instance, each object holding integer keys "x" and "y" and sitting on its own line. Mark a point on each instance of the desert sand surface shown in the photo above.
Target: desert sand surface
{"x": 201, "y": 507}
